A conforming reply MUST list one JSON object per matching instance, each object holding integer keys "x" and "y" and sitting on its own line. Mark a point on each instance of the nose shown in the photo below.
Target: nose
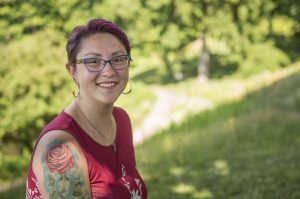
{"x": 105, "y": 62}
{"x": 107, "y": 69}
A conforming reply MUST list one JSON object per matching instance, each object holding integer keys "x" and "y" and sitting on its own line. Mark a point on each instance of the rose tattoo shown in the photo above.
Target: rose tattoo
{"x": 63, "y": 177}
{"x": 59, "y": 158}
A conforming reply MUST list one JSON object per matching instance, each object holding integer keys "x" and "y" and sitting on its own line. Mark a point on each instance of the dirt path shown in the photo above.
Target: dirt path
{"x": 168, "y": 108}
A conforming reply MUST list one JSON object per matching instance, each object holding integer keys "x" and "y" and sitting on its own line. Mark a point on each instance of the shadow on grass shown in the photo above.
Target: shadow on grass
{"x": 150, "y": 76}
{"x": 217, "y": 68}
{"x": 15, "y": 192}
{"x": 247, "y": 149}
{"x": 189, "y": 68}
{"x": 243, "y": 150}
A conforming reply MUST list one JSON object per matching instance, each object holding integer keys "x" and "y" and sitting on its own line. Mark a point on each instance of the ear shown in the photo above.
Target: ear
{"x": 71, "y": 68}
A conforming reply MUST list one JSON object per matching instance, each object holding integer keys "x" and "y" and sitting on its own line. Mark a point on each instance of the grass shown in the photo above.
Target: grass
{"x": 247, "y": 146}
{"x": 138, "y": 103}
{"x": 15, "y": 192}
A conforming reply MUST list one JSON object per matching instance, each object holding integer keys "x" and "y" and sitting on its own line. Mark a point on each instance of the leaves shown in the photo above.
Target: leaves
{"x": 51, "y": 180}
{"x": 77, "y": 189}
{"x": 34, "y": 85}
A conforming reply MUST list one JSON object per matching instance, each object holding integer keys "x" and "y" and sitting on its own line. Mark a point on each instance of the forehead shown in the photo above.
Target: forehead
{"x": 104, "y": 44}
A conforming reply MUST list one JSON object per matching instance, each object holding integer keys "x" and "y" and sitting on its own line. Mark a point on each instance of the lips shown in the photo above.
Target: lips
{"x": 106, "y": 84}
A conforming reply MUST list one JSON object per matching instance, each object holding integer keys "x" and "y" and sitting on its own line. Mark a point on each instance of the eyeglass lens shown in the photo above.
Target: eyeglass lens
{"x": 96, "y": 64}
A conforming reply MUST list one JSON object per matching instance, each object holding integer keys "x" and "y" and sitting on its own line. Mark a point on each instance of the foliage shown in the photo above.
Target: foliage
{"x": 31, "y": 81}
{"x": 170, "y": 25}
{"x": 17, "y": 191}
{"x": 262, "y": 55}
{"x": 244, "y": 38}
{"x": 243, "y": 148}
{"x": 12, "y": 166}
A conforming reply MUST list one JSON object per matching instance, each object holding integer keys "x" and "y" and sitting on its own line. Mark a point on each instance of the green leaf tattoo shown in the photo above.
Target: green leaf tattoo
{"x": 63, "y": 178}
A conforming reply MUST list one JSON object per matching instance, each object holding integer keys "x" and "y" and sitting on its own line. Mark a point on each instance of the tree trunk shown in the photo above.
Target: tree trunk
{"x": 203, "y": 66}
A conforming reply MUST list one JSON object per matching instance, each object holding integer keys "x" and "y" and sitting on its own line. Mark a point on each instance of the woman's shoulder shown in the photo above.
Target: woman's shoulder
{"x": 61, "y": 121}
{"x": 118, "y": 109}
{"x": 52, "y": 138}
{"x": 57, "y": 152}
{"x": 56, "y": 134}
{"x": 120, "y": 112}
{"x": 61, "y": 127}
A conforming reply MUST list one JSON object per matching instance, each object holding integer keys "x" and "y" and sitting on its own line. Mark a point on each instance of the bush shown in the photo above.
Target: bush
{"x": 262, "y": 57}
{"x": 36, "y": 88}
{"x": 13, "y": 167}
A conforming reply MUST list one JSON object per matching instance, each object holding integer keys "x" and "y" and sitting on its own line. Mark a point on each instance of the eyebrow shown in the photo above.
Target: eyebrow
{"x": 118, "y": 52}
{"x": 100, "y": 55}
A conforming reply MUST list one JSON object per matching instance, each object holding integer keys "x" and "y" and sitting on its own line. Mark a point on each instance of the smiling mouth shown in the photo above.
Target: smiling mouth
{"x": 107, "y": 84}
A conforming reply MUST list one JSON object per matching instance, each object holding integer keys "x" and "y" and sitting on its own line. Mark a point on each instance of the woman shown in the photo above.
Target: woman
{"x": 87, "y": 150}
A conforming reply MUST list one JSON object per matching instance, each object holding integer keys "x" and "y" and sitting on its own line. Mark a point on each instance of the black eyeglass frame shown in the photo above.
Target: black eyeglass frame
{"x": 84, "y": 61}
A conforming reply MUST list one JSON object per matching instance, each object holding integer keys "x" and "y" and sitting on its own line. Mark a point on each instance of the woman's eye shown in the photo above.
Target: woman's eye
{"x": 117, "y": 60}
{"x": 92, "y": 61}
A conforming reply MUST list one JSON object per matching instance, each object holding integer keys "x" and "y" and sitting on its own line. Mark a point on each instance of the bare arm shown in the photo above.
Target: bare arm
{"x": 61, "y": 171}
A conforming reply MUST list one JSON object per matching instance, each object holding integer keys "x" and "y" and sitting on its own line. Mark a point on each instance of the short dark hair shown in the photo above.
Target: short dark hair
{"x": 93, "y": 26}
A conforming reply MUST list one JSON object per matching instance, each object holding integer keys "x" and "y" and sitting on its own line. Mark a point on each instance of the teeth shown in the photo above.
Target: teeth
{"x": 106, "y": 85}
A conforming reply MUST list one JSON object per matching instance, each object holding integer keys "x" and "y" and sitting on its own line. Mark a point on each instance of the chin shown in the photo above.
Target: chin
{"x": 108, "y": 100}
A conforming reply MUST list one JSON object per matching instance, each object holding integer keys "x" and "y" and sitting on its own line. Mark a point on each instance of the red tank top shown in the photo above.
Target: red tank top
{"x": 112, "y": 174}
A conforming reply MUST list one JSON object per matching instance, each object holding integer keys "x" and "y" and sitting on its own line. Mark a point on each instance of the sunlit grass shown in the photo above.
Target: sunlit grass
{"x": 231, "y": 88}
{"x": 202, "y": 194}
{"x": 15, "y": 192}
{"x": 245, "y": 146}
{"x": 242, "y": 148}
{"x": 183, "y": 188}
{"x": 138, "y": 103}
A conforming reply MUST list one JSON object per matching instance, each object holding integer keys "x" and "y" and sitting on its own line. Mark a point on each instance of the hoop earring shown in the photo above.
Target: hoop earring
{"x": 130, "y": 88}
{"x": 76, "y": 88}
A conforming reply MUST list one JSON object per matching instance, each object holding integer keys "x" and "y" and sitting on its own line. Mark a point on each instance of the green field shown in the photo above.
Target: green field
{"x": 247, "y": 146}
{"x": 233, "y": 136}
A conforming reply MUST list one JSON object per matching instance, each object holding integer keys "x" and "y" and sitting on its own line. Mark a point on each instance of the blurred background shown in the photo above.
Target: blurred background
{"x": 215, "y": 105}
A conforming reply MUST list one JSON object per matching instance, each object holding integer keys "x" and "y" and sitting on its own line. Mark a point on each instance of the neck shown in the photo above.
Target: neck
{"x": 98, "y": 118}
{"x": 96, "y": 112}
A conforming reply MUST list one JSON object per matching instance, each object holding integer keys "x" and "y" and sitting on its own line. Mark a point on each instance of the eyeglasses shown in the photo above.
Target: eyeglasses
{"x": 94, "y": 64}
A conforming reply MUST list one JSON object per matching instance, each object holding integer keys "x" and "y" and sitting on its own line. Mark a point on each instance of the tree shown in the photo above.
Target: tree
{"x": 226, "y": 36}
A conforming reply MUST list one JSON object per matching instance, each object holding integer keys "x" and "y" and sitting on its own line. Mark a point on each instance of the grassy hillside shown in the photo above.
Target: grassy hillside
{"x": 244, "y": 149}
{"x": 247, "y": 146}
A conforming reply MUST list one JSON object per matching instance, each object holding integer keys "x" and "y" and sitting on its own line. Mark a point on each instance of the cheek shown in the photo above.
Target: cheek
{"x": 125, "y": 77}
{"x": 124, "y": 74}
{"x": 86, "y": 77}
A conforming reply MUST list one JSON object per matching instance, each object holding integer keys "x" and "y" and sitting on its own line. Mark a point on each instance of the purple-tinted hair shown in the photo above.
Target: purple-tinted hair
{"x": 92, "y": 27}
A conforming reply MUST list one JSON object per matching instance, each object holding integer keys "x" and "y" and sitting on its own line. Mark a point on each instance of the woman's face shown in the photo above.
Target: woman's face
{"x": 104, "y": 86}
